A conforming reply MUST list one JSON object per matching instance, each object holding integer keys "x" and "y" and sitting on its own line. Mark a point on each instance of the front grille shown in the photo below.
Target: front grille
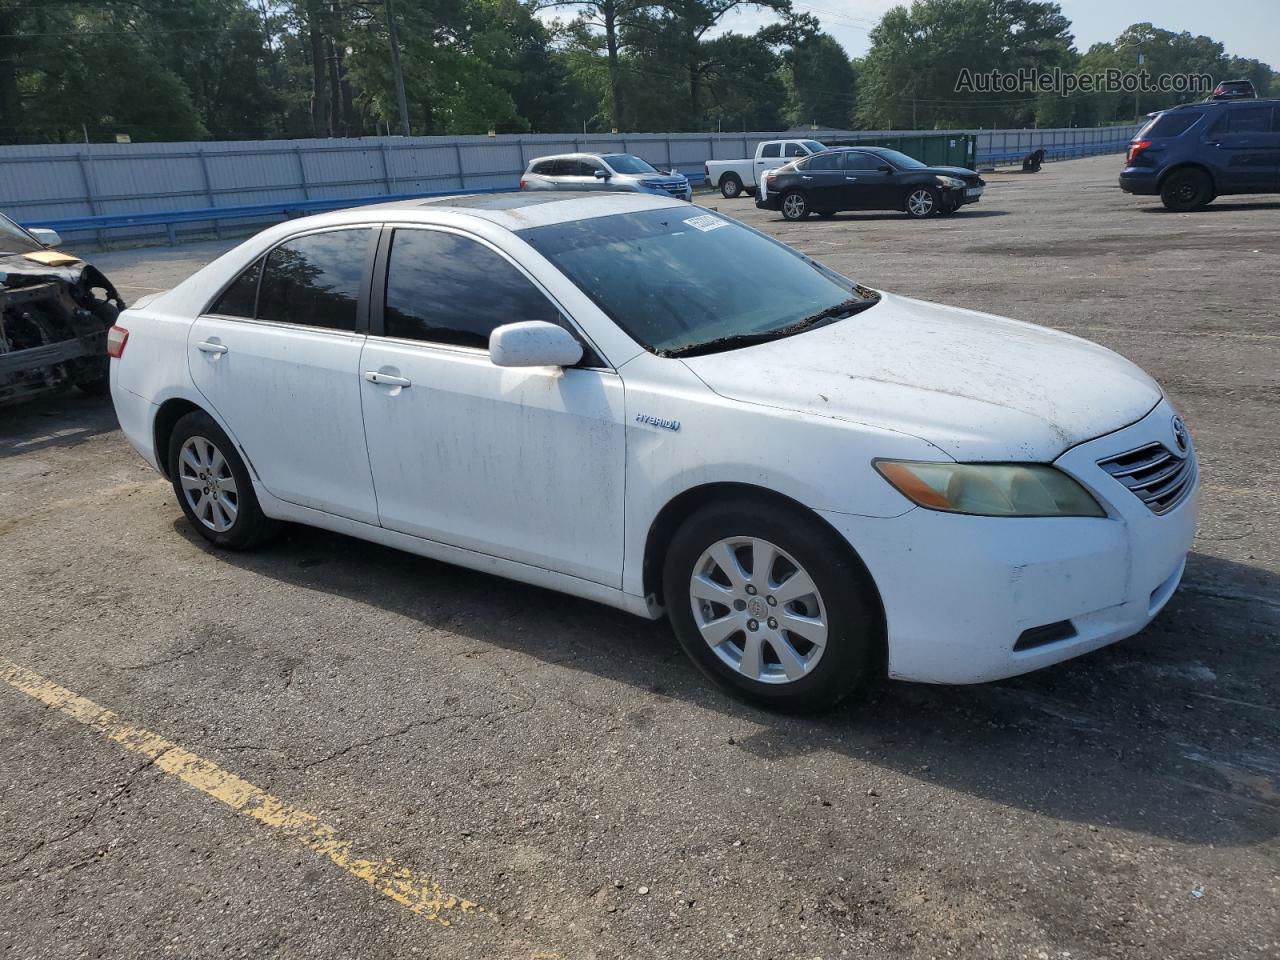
{"x": 1156, "y": 476}
{"x": 674, "y": 187}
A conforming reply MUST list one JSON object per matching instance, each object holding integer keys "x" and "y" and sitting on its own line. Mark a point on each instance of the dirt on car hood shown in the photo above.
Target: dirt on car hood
{"x": 978, "y": 386}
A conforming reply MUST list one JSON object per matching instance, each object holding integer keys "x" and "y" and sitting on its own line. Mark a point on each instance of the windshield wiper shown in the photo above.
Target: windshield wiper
{"x": 840, "y": 311}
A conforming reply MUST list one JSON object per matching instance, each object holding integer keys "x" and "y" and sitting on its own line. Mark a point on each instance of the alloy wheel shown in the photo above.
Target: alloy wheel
{"x": 793, "y": 206}
{"x": 208, "y": 484}
{"x": 758, "y": 610}
{"x": 920, "y": 203}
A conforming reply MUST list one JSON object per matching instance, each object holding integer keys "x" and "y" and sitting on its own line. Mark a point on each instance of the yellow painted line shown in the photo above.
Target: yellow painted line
{"x": 418, "y": 894}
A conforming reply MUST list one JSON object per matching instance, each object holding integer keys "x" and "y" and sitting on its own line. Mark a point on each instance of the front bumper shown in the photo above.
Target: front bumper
{"x": 959, "y": 591}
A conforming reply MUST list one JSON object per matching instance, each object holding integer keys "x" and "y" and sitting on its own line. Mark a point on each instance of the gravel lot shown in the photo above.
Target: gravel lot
{"x": 564, "y": 767}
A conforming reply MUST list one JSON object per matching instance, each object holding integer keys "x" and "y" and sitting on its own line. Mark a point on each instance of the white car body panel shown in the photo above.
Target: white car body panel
{"x": 751, "y": 170}
{"x": 556, "y": 477}
{"x": 967, "y": 381}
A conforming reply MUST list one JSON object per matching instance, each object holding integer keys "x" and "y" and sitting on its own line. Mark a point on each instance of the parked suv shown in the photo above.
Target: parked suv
{"x": 1190, "y": 154}
{"x": 616, "y": 172}
{"x": 1234, "y": 90}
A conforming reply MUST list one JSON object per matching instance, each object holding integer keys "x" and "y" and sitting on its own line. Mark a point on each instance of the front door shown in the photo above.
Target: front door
{"x": 869, "y": 183}
{"x": 278, "y": 362}
{"x": 526, "y": 464}
{"x": 1246, "y": 140}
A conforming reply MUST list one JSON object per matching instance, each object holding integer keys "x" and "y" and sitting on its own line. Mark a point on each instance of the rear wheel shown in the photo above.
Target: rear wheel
{"x": 730, "y": 186}
{"x": 1185, "y": 190}
{"x": 213, "y": 486}
{"x": 922, "y": 202}
{"x": 771, "y": 606}
{"x": 795, "y": 206}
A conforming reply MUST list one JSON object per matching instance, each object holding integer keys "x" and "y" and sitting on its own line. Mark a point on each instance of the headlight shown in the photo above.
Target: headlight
{"x": 990, "y": 489}
{"x": 954, "y": 183}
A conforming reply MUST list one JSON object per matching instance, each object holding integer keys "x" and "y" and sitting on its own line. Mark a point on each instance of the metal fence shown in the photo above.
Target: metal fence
{"x": 60, "y": 181}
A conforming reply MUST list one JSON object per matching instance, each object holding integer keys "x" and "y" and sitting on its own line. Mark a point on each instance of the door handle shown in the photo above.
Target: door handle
{"x": 803, "y": 177}
{"x": 207, "y": 346}
{"x": 387, "y": 379}
{"x": 851, "y": 178}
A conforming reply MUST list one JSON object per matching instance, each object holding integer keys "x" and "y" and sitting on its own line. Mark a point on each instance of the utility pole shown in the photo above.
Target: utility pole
{"x": 396, "y": 73}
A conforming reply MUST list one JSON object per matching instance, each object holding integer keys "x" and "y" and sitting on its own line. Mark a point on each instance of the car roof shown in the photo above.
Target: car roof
{"x": 510, "y": 209}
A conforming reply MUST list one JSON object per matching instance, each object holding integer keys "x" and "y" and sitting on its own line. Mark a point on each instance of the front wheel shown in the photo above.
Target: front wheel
{"x": 213, "y": 486}
{"x": 1186, "y": 190}
{"x": 770, "y": 605}
{"x": 922, "y": 202}
{"x": 794, "y": 205}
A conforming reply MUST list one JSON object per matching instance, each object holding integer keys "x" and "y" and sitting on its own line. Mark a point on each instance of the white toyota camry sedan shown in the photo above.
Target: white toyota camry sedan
{"x": 655, "y": 407}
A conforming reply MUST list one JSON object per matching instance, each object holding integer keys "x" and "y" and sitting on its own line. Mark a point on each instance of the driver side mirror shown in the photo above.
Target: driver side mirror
{"x": 533, "y": 343}
{"x": 602, "y": 174}
{"x": 884, "y": 168}
{"x": 46, "y": 236}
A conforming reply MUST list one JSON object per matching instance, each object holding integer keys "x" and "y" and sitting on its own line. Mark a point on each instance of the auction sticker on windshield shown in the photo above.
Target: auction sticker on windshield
{"x": 706, "y": 223}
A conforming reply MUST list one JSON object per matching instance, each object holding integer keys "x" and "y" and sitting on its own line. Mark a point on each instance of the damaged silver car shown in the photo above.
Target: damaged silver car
{"x": 55, "y": 311}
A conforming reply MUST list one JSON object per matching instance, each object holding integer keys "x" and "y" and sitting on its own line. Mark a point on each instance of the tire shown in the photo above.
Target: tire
{"x": 730, "y": 186}
{"x": 213, "y": 486}
{"x": 845, "y": 633}
{"x": 794, "y": 205}
{"x": 1185, "y": 190}
{"x": 922, "y": 202}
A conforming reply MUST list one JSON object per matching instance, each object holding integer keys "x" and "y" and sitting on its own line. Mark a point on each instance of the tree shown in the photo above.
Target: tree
{"x": 820, "y": 83}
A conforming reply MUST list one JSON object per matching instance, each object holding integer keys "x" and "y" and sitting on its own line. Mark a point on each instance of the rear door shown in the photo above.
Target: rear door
{"x": 1246, "y": 144}
{"x": 822, "y": 178}
{"x": 278, "y": 356}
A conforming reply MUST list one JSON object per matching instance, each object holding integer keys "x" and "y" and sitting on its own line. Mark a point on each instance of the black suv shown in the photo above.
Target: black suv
{"x": 866, "y": 178}
{"x": 1190, "y": 154}
{"x": 1234, "y": 90}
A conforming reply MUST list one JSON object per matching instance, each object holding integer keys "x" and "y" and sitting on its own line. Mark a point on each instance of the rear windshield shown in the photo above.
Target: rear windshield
{"x": 628, "y": 163}
{"x": 675, "y": 277}
{"x": 1170, "y": 124}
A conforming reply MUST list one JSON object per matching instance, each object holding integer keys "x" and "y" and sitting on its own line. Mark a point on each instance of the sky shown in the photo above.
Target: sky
{"x": 1247, "y": 28}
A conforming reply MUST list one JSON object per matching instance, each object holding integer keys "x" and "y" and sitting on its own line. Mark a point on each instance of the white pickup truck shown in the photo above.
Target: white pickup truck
{"x": 732, "y": 177}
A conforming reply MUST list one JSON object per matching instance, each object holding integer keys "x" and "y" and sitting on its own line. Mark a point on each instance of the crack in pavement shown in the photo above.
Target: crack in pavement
{"x": 84, "y": 825}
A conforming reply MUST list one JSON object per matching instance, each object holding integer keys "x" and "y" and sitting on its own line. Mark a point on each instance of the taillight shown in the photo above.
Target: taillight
{"x": 522, "y": 184}
{"x": 706, "y": 171}
{"x": 1136, "y": 148}
{"x": 117, "y": 337}
{"x": 1219, "y": 90}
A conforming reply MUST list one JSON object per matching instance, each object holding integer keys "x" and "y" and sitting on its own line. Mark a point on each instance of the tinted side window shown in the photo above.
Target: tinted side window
{"x": 544, "y": 168}
{"x": 1172, "y": 124}
{"x": 1249, "y": 120}
{"x": 862, "y": 161}
{"x": 443, "y": 288}
{"x": 315, "y": 280}
{"x": 238, "y": 300}
{"x": 826, "y": 161}
{"x": 588, "y": 168}
{"x": 794, "y": 150}
{"x": 771, "y": 150}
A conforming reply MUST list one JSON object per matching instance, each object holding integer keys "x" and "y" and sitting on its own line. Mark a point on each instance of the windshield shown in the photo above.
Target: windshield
{"x": 813, "y": 146}
{"x": 901, "y": 160}
{"x": 628, "y": 163}
{"x": 676, "y": 280}
{"x": 13, "y": 239}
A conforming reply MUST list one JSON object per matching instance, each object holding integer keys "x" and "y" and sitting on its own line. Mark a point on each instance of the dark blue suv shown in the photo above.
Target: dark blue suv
{"x": 1193, "y": 153}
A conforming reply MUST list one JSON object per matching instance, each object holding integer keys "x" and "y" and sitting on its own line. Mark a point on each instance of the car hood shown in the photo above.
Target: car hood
{"x": 964, "y": 173}
{"x": 979, "y": 387}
